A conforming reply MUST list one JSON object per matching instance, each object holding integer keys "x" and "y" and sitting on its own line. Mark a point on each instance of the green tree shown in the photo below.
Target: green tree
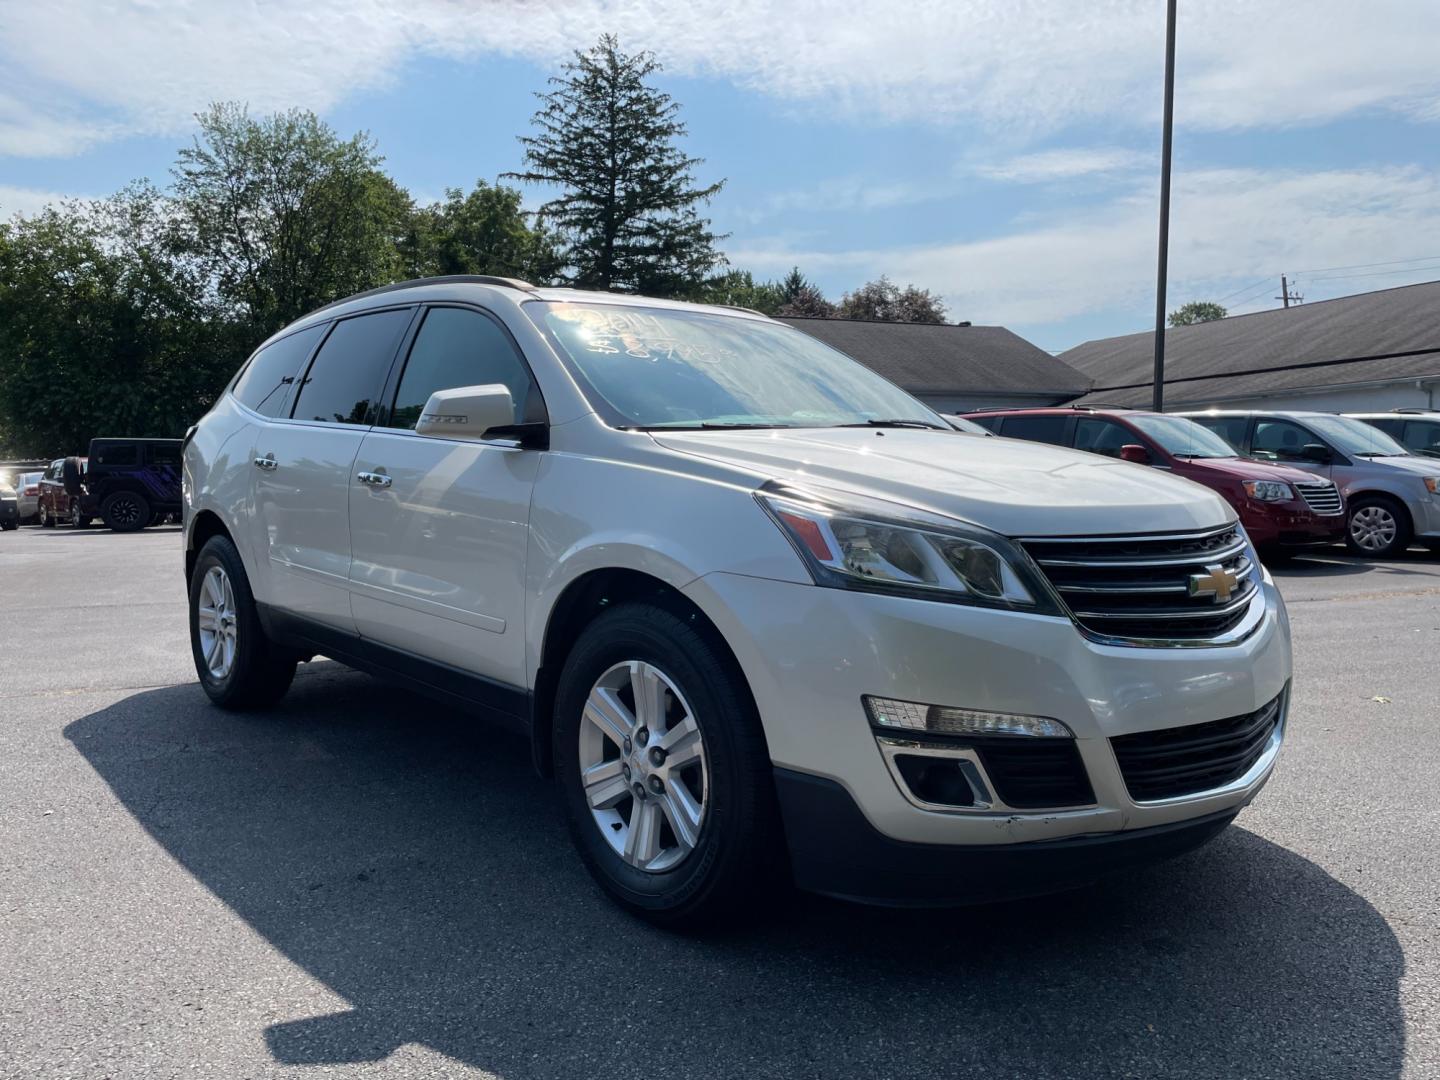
{"x": 738, "y": 288}
{"x": 1197, "y": 311}
{"x": 104, "y": 328}
{"x": 882, "y": 300}
{"x": 484, "y": 231}
{"x": 628, "y": 202}
{"x": 284, "y": 215}
{"x": 801, "y": 298}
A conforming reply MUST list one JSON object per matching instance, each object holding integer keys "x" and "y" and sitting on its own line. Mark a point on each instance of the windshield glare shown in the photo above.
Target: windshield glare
{"x": 1183, "y": 437}
{"x": 1356, "y": 437}
{"x": 666, "y": 368}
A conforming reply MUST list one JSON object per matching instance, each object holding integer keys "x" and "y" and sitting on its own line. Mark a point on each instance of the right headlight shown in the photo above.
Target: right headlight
{"x": 851, "y": 542}
{"x": 1269, "y": 490}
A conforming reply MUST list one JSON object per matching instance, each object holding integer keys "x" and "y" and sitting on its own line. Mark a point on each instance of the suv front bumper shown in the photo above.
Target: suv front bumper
{"x": 810, "y": 654}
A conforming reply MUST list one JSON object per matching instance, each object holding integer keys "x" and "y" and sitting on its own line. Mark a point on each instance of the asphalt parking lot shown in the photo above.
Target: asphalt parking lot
{"x": 360, "y": 883}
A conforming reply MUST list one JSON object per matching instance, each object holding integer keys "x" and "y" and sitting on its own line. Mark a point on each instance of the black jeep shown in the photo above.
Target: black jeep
{"x": 128, "y": 483}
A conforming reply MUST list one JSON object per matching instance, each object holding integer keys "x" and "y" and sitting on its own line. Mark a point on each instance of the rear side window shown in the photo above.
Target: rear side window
{"x": 1229, "y": 428}
{"x": 265, "y": 382}
{"x": 454, "y": 348}
{"x": 164, "y": 455}
{"x": 1422, "y": 437}
{"x": 344, "y": 381}
{"x": 116, "y": 456}
{"x": 1046, "y": 428}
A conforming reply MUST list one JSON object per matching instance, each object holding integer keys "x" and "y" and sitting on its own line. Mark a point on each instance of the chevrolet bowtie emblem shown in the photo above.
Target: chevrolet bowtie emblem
{"x": 1217, "y": 583}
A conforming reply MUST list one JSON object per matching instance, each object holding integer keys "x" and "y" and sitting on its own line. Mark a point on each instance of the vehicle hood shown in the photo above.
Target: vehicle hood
{"x": 1420, "y": 466}
{"x": 1006, "y": 485}
{"x": 1250, "y": 469}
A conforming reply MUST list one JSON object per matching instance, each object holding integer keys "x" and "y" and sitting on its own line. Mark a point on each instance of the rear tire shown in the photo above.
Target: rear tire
{"x": 239, "y": 667}
{"x": 125, "y": 511}
{"x": 730, "y": 864}
{"x": 1378, "y": 527}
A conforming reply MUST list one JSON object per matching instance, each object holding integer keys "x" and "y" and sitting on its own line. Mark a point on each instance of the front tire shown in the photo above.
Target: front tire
{"x": 1377, "y": 527}
{"x": 125, "y": 511}
{"x": 664, "y": 771}
{"x": 43, "y": 518}
{"x": 239, "y": 667}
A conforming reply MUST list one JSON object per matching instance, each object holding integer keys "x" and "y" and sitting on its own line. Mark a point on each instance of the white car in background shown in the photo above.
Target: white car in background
{"x": 765, "y": 617}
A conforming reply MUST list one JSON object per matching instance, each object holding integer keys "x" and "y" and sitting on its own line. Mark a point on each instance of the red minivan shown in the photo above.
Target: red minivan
{"x": 1282, "y": 509}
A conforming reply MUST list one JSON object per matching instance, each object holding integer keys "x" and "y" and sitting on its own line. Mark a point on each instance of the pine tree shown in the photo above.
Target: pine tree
{"x": 629, "y": 205}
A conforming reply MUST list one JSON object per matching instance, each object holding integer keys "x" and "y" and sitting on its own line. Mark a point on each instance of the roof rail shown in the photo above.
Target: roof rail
{"x": 1093, "y": 406}
{"x": 1412, "y": 410}
{"x": 445, "y": 279}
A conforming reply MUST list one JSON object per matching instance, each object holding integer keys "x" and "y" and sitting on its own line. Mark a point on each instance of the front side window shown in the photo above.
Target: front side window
{"x": 118, "y": 456}
{"x": 669, "y": 368}
{"x": 1423, "y": 437}
{"x": 456, "y": 347}
{"x": 1182, "y": 437}
{"x": 265, "y": 383}
{"x": 1100, "y": 436}
{"x": 164, "y": 455}
{"x": 345, "y": 378}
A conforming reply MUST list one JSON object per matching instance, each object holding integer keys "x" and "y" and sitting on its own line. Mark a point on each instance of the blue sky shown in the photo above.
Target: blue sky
{"x": 1001, "y": 152}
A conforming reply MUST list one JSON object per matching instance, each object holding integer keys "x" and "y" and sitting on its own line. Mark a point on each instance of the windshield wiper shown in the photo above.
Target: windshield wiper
{"x": 896, "y": 423}
{"x": 714, "y": 425}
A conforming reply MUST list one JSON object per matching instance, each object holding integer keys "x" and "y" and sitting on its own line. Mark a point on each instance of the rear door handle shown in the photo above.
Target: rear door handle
{"x": 268, "y": 463}
{"x": 374, "y": 479}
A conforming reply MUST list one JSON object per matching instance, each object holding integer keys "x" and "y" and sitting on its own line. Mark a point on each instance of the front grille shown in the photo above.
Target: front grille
{"x": 1321, "y": 496}
{"x": 1035, "y": 773}
{"x": 1152, "y": 589}
{"x": 1180, "y": 761}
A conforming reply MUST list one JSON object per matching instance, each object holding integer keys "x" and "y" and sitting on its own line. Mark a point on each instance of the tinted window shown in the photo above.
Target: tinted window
{"x": 456, "y": 348}
{"x": 1280, "y": 440}
{"x": 1049, "y": 428}
{"x": 1229, "y": 428}
{"x": 347, "y": 373}
{"x": 990, "y": 423}
{"x": 164, "y": 455}
{"x": 1100, "y": 436}
{"x": 263, "y": 384}
{"x": 114, "y": 456}
{"x": 1423, "y": 437}
{"x": 1391, "y": 426}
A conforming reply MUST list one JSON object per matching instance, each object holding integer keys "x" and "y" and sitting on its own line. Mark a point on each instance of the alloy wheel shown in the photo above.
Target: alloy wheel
{"x": 125, "y": 511}
{"x": 642, "y": 764}
{"x": 215, "y": 619}
{"x": 1373, "y": 528}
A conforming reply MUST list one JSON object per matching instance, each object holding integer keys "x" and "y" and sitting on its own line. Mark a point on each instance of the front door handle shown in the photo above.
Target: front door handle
{"x": 374, "y": 479}
{"x": 268, "y": 463}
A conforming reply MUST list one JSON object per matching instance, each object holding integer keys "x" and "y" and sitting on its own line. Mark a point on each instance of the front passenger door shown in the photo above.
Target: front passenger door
{"x": 440, "y": 526}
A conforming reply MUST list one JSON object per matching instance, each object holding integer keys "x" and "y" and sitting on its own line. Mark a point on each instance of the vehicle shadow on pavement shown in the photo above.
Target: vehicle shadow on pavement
{"x": 407, "y": 856}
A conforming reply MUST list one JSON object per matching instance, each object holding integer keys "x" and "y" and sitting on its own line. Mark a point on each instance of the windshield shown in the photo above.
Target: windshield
{"x": 665, "y": 368}
{"x": 1182, "y": 437}
{"x": 1356, "y": 437}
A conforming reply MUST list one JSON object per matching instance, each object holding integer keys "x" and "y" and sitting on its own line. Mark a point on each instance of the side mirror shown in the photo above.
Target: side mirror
{"x": 1316, "y": 452}
{"x": 473, "y": 412}
{"x": 1136, "y": 453}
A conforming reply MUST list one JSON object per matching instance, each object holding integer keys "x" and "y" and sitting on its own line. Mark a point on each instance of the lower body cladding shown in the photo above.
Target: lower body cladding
{"x": 1164, "y": 745}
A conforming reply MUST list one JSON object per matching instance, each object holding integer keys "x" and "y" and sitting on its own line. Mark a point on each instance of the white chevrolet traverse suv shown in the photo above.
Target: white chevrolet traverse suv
{"x": 765, "y": 617}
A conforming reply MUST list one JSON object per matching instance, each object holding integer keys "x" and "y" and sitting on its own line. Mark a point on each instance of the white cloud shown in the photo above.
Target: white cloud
{"x": 1229, "y": 227}
{"x": 1066, "y": 164}
{"x": 27, "y": 201}
{"x": 1021, "y": 66}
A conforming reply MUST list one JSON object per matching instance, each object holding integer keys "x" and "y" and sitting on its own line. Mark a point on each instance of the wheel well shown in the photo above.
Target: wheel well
{"x": 1383, "y": 496}
{"x": 584, "y": 599}
{"x": 207, "y": 524}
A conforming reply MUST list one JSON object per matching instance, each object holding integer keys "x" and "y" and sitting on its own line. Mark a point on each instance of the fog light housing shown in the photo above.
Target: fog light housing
{"x": 895, "y": 715}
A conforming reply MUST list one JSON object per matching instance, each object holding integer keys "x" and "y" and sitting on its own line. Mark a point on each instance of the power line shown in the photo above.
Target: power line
{"x": 1263, "y": 282}
{"x": 1376, "y": 273}
{"x": 1366, "y": 266}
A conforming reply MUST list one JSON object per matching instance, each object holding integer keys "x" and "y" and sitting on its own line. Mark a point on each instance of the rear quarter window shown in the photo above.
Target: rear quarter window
{"x": 265, "y": 383}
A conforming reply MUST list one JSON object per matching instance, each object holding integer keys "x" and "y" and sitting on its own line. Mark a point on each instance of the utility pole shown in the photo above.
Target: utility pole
{"x": 1157, "y": 399}
{"x": 1285, "y": 293}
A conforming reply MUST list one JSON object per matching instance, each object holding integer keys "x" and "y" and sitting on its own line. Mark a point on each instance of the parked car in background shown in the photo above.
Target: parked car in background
{"x": 960, "y": 423}
{"x": 130, "y": 483}
{"x": 1418, "y": 430}
{"x": 1392, "y": 497}
{"x": 59, "y": 496}
{"x": 27, "y": 490}
{"x": 763, "y": 615}
{"x": 9, "y": 508}
{"x": 1282, "y": 508}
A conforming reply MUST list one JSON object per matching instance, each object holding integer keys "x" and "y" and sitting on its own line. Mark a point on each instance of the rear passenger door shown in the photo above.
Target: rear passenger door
{"x": 440, "y": 526}
{"x": 302, "y": 464}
